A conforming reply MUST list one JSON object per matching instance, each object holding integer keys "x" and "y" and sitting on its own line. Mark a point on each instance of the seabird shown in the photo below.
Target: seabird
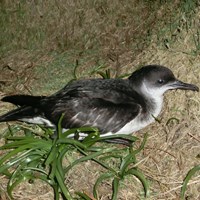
{"x": 114, "y": 106}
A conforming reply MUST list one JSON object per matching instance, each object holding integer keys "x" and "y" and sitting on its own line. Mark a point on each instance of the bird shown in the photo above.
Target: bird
{"x": 114, "y": 106}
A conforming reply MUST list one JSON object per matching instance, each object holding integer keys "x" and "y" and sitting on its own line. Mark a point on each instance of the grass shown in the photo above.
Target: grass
{"x": 36, "y": 156}
{"x": 187, "y": 178}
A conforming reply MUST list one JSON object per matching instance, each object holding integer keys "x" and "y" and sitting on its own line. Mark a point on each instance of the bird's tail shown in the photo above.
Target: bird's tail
{"x": 28, "y": 107}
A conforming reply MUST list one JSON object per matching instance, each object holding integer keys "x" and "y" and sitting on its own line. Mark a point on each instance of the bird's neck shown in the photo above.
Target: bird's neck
{"x": 154, "y": 105}
{"x": 153, "y": 101}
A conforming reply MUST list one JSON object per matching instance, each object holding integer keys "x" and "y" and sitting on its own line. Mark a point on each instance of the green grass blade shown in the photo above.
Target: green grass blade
{"x": 10, "y": 187}
{"x": 59, "y": 162}
{"x": 83, "y": 196}
{"x": 91, "y": 156}
{"x": 86, "y": 130}
{"x": 42, "y": 175}
{"x": 102, "y": 74}
{"x": 56, "y": 192}
{"x": 129, "y": 159}
{"x": 53, "y": 167}
{"x": 187, "y": 178}
{"x": 15, "y": 152}
{"x": 142, "y": 145}
{"x": 53, "y": 158}
{"x": 72, "y": 142}
{"x": 59, "y": 126}
{"x": 99, "y": 162}
{"x": 13, "y": 161}
{"x": 101, "y": 178}
{"x": 20, "y": 141}
{"x": 115, "y": 154}
{"x": 90, "y": 139}
{"x": 62, "y": 186}
{"x": 135, "y": 172}
{"x": 115, "y": 184}
{"x": 52, "y": 155}
{"x": 19, "y": 175}
{"x": 25, "y": 147}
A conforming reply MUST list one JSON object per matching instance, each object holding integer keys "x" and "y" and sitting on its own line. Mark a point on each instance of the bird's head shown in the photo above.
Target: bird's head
{"x": 155, "y": 80}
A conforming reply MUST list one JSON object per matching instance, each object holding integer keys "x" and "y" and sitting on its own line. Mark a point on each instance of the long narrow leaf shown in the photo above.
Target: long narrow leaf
{"x": 99, "y": 180}
{"x": 115, "y": 188}
{"x": 62, "y": 186}
{"x": 84, "y": 196}
{"x": 26, "y": 141}
{"x": 187, "y": 178}
{"x": 59, "y": 162}
{"x": 13, "y": 161}
{"x": 59, "y": 127}
{"x": 129, "y": 159}
{"x": 86, "y": 130}
{"x": 71, "y": 142}
{"x": 10, "y": 187}
{"x": 52, "y": 155}
{"x": 141, "y": 177}
{"x": 15, "y": 152}
{"x": 88, "y": 157}
{"x": 142, "y": 144}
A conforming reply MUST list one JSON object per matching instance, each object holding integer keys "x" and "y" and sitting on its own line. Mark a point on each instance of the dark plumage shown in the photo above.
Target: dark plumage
{"x": 112, "y": 105}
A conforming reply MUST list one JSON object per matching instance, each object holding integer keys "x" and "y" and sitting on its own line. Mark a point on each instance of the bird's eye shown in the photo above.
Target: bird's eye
{"x": 160, "y": 81}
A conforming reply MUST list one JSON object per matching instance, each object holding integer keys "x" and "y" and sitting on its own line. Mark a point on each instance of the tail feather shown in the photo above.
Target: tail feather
{"x": 22, "y": 100}
{"x": 19, "y": 113}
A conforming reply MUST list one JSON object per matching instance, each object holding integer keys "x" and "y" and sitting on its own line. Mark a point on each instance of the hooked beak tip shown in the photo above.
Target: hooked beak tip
{"x": 185, "y": 86}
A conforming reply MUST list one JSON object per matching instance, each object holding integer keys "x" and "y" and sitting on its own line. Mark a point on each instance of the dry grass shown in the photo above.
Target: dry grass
{"x": 125, "y": 35}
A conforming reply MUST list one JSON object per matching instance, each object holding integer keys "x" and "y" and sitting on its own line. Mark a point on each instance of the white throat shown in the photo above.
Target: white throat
{"x": 154, "y": 100}
{"x": 154, "y": 97}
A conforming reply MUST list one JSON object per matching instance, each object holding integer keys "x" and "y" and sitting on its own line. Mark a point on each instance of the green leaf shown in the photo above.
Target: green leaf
{"x": 83, "y": 196}
{"x": 140, "y": 176}
{"x": 52, "y": 155}
{"x": 62, "y": 186}
{"x": 187, "y": 178}
{"x": 13, "y": 161}
{"x": 129, "y": 159}
{"x": 12, "y": 184}
{"x": 86, "y": 130}
{"x": 71, "y": 142}
{"x": 15, "y": 152}
{"x": 91, "y": 156}
{"x": 172, "y": 119}
{"x": 59, "y": 126}
{"x": 115, "y": 188}
{"x": 59, "y": 162}
{"x": 101, "y": 178}
{"x": 142, "y": 145}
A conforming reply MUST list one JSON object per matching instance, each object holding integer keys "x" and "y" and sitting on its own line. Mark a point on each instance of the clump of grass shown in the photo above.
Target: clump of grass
{"x": 36, "y": 156}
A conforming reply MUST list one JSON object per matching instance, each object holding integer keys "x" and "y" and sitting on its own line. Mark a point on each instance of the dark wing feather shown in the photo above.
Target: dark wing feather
{"x": 108, "y": 105}
{"x": 22, "y": 100}
{"x": 19, "y": 113}
{"x": 28, "y": 107}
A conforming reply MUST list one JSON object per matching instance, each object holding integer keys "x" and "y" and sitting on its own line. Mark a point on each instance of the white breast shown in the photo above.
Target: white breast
{"x": 154, "y": 99}
{"x": 135, "y": 125}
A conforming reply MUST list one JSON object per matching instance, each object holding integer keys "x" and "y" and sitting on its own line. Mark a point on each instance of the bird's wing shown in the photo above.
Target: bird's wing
{"x": 107, "y": 107}
{"x": 23, "y": 100}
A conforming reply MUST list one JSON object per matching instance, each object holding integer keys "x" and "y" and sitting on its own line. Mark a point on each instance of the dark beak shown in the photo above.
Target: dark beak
{"x": 184, "y": 86}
